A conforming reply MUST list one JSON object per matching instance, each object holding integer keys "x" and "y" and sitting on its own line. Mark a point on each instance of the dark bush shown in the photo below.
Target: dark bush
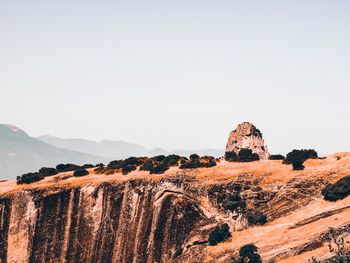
{"x": 298, "y": 165}
{"x": 87, "y": 166}
{"x": 29, "y": 178}
{"x": 338, "y": 190}
{"x": 276, "y": 157}
{"x": 247, "y": 155}
{"x": 159, "y": 169}
{"x": 249, "y": 253}
{"x": 300, "y": 155}
{"x": 256, "y": 218}
{"x": 233, "y": 202}
{"x": 66, "y": 167}
{"x": 132, "y": 161}
{"x": 129, "y": 168}
{"x": 231, "y": 156}
{"x": 45, "y": 171}
{"x": 194, "y": 157}
{"x": 219, "y": 234}
{"x": 159, "y": 158}
{"x": 80, "y": 172}
{"x": 197, "y": 162}
{"x": 172, "y": 160}
{"x": 147, "y": 166}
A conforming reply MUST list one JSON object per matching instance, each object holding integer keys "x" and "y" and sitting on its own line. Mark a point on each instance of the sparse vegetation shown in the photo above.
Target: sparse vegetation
{"x": 219, "y": 234}
{"x": 338, "y": 190}
{"x": 256, "y": 218}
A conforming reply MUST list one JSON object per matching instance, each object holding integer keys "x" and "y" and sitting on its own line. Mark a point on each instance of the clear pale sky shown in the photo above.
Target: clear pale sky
{"x": 178, "y": 74}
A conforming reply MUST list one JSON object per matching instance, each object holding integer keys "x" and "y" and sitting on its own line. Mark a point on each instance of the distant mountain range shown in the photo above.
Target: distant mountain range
{"x": 118, "y": 149}
{"x": 21, "y": 153}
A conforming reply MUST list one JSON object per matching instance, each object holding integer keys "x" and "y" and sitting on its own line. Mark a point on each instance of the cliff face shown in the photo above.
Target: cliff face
{"x": 247, "y": 136}
{"x": 167, "y": 218}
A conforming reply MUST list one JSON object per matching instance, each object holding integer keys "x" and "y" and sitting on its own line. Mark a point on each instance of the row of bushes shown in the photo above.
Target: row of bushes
{"x": 48, "y": 171}
{"x": 157, "y": 164}
{"x": 197, "y": 162}
{"x": 244, "y": 155}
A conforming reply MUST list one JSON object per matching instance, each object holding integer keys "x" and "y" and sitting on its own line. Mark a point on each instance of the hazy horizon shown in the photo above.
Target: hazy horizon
{"x": 178, "y": 75}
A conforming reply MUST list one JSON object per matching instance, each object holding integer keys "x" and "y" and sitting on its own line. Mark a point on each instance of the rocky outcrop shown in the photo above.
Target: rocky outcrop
{"x": 137, "y": 220}
{"x": 247, "y": 136}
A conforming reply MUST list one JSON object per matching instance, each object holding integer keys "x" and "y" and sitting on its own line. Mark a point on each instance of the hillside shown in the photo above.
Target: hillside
{"x": 167, "y": 218}
{"x": 118, "y": 149}
{"x": 20, "y": 153}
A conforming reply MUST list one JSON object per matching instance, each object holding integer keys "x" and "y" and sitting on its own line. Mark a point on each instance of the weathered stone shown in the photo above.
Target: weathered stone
{"x": 247, "y": 136}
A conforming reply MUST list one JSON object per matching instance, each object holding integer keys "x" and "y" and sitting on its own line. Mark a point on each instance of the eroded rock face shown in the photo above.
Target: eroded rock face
{"x": 247, "y": 136}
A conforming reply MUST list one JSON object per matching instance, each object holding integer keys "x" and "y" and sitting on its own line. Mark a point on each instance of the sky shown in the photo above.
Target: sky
{"x": 178, "y": 74}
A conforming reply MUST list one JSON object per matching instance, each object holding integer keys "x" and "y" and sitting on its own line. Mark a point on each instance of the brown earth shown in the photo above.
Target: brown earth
{"x": 150, "y": 218}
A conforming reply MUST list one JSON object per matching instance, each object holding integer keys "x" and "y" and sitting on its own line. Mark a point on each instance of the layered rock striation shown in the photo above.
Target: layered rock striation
{"x": 247, "y": 136}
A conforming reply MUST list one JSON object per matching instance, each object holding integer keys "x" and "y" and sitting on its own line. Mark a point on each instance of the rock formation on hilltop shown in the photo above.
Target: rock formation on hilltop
{"x": 247, "y": 136}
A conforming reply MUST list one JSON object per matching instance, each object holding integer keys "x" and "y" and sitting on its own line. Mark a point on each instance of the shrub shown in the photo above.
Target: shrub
{"x": 45, "y": 171}
{"x": 197, "y": 162}
{"x": 159, "y": 169}
{"x": 67, "y": 167}
{"x": 147, "y": 166}
{"x": 219, "y": 234}
{"x": 247, "y": 155}
{"x": 194, "y": 157}
{"x": 172, "y": 159}
{"x": 233, "y": 202}
{"x": 256, "y": 218}
{"x": 80, "y": 172}
{"x": 298, "y": 165}
{"x": 29, "y": 178}
{"x": 87, "y": 166}
{"x": 300, "y": 155}
{"x": 231, "y": 156}
{"x": 338, "y": 190}
{"x": 249, "y": 253}
{"x": 158, "y": 158}
{"x": 276, "y": 157}
{"x": 129, "y": 168}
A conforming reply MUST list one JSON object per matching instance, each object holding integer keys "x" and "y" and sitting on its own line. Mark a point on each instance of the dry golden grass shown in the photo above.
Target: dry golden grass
{"x": 335, "y": 166}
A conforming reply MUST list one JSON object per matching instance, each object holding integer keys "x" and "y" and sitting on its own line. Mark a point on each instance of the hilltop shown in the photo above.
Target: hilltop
{"x": 174, "y": 212}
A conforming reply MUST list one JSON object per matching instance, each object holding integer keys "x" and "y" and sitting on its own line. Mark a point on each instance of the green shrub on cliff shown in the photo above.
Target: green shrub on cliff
{"x": 233, "y": 202}
{"x": 338, "y": 190}
{"x": 256, "y": 218}
{"x": 219, "y": 234}
{"x": 248, "y": 253}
